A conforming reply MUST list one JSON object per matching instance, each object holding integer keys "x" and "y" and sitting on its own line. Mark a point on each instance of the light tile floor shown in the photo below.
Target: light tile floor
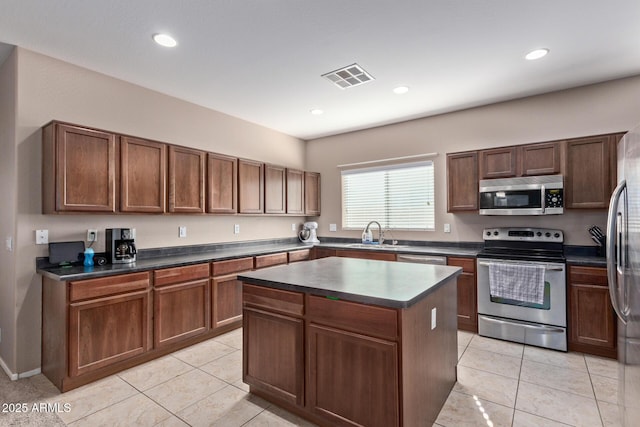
{"x": 499, "y": 384}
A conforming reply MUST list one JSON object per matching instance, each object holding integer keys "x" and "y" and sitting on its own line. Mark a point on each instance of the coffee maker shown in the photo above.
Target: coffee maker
{"x": 121, "y": 245}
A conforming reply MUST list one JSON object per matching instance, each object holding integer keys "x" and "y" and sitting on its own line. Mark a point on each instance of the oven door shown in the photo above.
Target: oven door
{"x": 551, "y": 312}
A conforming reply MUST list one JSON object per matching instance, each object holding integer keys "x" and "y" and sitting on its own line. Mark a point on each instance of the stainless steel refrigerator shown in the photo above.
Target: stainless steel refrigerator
{"x": 623, "y": 265}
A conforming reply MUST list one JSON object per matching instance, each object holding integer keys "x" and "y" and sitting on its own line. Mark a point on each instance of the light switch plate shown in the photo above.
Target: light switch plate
{"x": 447, "y": 228}
{"x": 236, "y": 228}
{"x": 182, "y": 231}
{"x": 433, "y": 318}
{"x": 333, "y": 227}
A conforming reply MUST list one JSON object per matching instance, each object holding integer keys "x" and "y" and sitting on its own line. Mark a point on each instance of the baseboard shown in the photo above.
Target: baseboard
{"x": 5, "y": 368}
{"x": 30, "y": 373}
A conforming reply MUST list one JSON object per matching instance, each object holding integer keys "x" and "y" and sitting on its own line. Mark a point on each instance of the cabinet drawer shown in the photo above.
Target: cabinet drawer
{"x": 301, "y": 255}
{"x": 367, "y": 319}
{"x": 271, "y": 259}
{"x": 273, "y": 299}
{"x": 170, "y": 276}
{"x": 366, "y": 254}
{"x": 221, "y": 268}
{"x": 588, "y": 275}
{"x": 104, "y": 286}
{"x": 468, "y": 264}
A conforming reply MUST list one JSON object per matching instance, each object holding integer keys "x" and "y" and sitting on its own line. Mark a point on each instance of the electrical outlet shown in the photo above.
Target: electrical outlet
{"x": 182, "y": 231}
{"x": 294, "y": 227}
{"x": 333, "y": 227}
{"x": 9, "y": 243}
{"x": 236, "y": 229}
{"x": 447, "y": 228}
{"x": 42, "y": 237}
{"x": 92, "y": 235}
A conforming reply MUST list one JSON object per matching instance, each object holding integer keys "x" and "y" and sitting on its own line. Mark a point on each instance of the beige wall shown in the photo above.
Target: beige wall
{"x": 8, "y": 71}
{"x": 51, "y": 89}
{"x": 602, "y": 108}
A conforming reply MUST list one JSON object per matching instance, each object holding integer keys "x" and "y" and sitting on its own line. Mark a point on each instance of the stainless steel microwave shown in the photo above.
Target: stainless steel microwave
{"x": 529, "y": 195}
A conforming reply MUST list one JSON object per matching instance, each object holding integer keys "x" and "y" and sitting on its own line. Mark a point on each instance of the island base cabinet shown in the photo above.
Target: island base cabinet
{"x": 343, "y": 365}
{"x": 107, "y": 330}
{"x": 273, "y": 360}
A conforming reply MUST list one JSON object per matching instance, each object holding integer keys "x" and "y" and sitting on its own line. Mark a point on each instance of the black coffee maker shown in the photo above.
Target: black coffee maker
{"x": 121, "y": 245}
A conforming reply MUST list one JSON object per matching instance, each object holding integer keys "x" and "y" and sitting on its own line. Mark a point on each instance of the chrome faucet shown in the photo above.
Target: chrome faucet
{"x": 380, "y": 232}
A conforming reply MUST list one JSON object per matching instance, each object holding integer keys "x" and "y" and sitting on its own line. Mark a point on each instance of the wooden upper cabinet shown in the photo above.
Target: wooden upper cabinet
{"x": 498, "y": 163}
{"x": 275, "y": 192}
{"x": 540, "y": 159}
{"x": 250, "y": 186}
{"x": 589, "y": 176}
{"x": 78, "y": 169}
{"x": 186, "y": 180}
{"x": 222, "y": 184}
{"x": 295, "y": 191}
{"x": 462, "y": 182}
{"x": 312, "y": 193}
{"x": 143, "y": 175}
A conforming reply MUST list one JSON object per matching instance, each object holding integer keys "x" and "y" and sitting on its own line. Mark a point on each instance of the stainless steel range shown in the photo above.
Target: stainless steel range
{"x": 522, "y": 292}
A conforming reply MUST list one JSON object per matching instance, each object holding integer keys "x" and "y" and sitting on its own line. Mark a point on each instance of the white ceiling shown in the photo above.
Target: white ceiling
{"x": 261, "y": 60}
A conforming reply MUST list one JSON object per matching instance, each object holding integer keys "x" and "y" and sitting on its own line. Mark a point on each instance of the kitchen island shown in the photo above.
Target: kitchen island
{"x": 352, "y": 342}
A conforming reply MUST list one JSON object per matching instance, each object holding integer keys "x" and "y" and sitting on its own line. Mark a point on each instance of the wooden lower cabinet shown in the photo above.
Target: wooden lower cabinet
{"x": 366, "y": 254}
{"x": 274, "y": 360}
{"x": 226, "y": 291}
{"x": 318, "y": 253}
{"x": 592, "y": 321}
{"x": 107, "y": 330}
{"x": 343, "y": 364}
{"x": 467, "y": 299}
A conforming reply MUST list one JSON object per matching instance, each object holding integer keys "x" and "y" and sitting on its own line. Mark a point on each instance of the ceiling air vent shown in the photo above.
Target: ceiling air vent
{"x": 349, "y": 76}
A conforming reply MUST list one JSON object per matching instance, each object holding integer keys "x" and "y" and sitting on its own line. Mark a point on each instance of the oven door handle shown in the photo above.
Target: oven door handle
{"x": 541, "y": 328}
{"x": 486, "y": 264}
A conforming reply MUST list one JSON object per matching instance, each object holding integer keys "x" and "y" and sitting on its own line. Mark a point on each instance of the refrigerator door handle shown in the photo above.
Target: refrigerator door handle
{"x": 614, "y": 252}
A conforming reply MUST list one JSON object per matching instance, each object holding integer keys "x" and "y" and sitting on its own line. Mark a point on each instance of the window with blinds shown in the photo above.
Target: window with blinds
{"x": 399, "y": 197}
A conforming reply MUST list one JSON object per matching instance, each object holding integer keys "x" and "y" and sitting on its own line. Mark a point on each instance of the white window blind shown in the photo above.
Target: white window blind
{"x": 399, "y": 197}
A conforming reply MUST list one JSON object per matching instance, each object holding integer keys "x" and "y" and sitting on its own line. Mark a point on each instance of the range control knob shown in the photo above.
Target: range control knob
{"x": 539, "y": 233}
{"x": 547, "y": 234}
{"x": 495, "y": 233}
{"x": 488, "y": 233}
{"x": 556, "y": 235}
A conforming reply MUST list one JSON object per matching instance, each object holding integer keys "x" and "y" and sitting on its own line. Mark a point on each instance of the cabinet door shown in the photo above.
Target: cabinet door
{"x": 540, "y": 159}
{"x": 295, "y": 191}
{"x": 591, "y": 318}
{"x": 108, "y": 330}
{"x": 226, "y": 300}
{"x": 143, "y": 175}
{"x": 365, "y": 254}
{"x": 222, "y": 179}
{"x": 588, "y": 179}
{"x": 186, "y": 180}
{"x": 180, "y": 311}
{"x": 462, "y": 182}
{"x": 85, "y": 169}
{"x": 344, "y": 364}
{"x": 467, "y": 300}
{"x": 275, "y": 195}
{"x": 250, "y": 186}
{"x": 498, "y": 163}
{"x": 274, "y": 354}
{"x": 317, "y": 253}
{"x": 312, "y": 193}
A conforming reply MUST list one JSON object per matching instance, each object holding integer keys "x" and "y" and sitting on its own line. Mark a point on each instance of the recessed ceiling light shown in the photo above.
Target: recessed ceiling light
{"x": 165, "y": 40}
{"x": 316, "y": 111}
{"x": 400, "y": 90}
{"x": 536, "y": 54}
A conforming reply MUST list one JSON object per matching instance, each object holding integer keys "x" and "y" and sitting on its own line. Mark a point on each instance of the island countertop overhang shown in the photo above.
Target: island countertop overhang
{"x": 384, "y": 283}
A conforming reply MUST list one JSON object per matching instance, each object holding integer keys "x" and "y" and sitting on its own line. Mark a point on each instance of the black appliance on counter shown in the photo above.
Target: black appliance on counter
{"x": 121, "y": 245}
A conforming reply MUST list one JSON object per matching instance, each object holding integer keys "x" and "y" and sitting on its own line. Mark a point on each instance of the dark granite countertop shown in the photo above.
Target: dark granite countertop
{"x": 166, "y": 259}
{"x": 587, "y": 261}
{"x": 413, "y": 248}
{"x": 384, "y": 283}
